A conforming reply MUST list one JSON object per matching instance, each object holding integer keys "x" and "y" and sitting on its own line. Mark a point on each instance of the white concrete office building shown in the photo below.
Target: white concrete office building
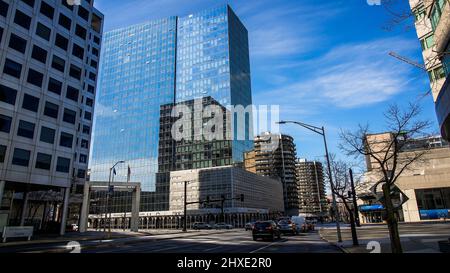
{"x": 49, "y": 56}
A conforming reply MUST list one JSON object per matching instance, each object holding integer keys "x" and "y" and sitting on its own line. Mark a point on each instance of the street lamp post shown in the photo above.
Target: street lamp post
{"x": 109, "y": 195}
{"x": 321, "y": 131}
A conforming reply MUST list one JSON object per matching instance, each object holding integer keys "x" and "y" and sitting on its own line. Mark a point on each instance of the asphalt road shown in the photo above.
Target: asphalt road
{"x": 233, "y": 241}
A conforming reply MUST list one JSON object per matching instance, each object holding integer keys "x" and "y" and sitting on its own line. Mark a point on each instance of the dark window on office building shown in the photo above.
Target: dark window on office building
{"x": 51, "y": 110}
{"x": 63, "y": 165}
{"x": 96, "y": 23}
{"x": 86, "y": 129}
{"x": 69, "y": 116}
{"x": 89, "y": 102}
{"x": 21, "y": 157}
{"x": 78, "y": 51}
{"x": 30, "y": 103}
{"x": 87, "y": 115}
{"x": 95, "y": 51}
{"x": 3, "y": 8}
{"x": 47, "y": 135}
{"x": 83, "y": 158}
{"x": 29, "y": 2}
{"x": 92, "y": 76}
{"x": 83, "y": 13}
{"x": 58, "y": 63}
{"x": 2, "y": 153}
{"x": 35, "y": 77}
{"x": 75, "y": 72}
{"x": 66, "y": 140}
{"x": 26, "y": 129}
{"x": 47, "y": 10}
{"x": 12, "y": 68}
{"x": 90, "y": 89}
{"x": 22, "y": 19}
{"x": 43, "y": 161}
{"x": 81, "y": 173}
{"x": 97, "y": 40}
{"x": 62, "y": 42}
{"x": 84, "y": 144}
{"x": 65, "y": 21}
{"x": 39, "y": 54}
{"x": 5, "y": 123}
{"x": 72, "y": 93}
{"x": 8, "y": 95}
{"x": 81, "y": 32}
{"x": 54, "y": 86}
{"x": 94, "y": 64}
{"x": 43, "y": 31}
{"x": 17, "y": 43}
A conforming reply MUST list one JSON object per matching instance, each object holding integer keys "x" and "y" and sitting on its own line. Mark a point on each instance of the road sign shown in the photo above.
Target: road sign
{"x": 394, "y": 192}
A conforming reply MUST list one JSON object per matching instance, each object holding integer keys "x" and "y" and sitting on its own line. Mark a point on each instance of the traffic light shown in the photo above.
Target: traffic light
{"x": 208, "y": 200}
{"x": 223, "y": 197}
{"x": 242, "y": 198}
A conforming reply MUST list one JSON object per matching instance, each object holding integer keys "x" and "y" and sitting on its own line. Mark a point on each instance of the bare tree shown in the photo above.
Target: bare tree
{"x": 388, "y": 156}
{"x": 343, "y": 190}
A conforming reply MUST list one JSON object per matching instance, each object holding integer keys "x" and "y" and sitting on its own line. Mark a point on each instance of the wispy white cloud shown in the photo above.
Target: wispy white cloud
{"x": 349, "y": 76}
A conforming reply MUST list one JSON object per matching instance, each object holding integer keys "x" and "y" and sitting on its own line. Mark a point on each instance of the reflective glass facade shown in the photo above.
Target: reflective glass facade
{"x": 165, "y": 62}
{"x": 137, "y": 76}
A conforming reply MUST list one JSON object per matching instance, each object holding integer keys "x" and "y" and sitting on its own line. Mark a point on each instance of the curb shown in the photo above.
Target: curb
{"x": 344, "y": 250}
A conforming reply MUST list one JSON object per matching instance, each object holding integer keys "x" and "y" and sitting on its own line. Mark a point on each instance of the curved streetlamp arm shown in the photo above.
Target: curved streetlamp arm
{"x": 313, "y": 128}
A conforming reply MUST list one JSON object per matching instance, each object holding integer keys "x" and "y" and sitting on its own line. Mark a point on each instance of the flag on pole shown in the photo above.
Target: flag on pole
{"x": 129, "y": 174}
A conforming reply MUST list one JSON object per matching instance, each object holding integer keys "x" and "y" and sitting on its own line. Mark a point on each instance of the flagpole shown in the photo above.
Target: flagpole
{"x": 125, "y": 207}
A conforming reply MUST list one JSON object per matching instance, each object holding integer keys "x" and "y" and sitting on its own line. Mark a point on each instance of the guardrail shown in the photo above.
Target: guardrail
{"x": 17, "y": 232}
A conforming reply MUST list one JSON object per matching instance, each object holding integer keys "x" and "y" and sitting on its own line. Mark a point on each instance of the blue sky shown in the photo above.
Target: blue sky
{"x": 324, "y": 62}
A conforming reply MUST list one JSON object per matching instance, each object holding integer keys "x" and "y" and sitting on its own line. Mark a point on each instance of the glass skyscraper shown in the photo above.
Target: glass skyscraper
{"x": 164, "y": 63}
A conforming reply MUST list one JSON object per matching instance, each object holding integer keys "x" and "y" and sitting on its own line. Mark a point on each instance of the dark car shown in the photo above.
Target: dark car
{"x": 287, "y": 227}
{"x": 198, "y": 226}
{"x": 266, "y": 230}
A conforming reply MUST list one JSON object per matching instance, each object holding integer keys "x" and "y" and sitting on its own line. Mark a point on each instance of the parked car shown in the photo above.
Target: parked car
{"x": 200, "y": 225}
{"x": 266, "y": 230}
{"x": 249, "y": 226}
{"x": 223, "y": 226}
{"x": 288, "y": 227}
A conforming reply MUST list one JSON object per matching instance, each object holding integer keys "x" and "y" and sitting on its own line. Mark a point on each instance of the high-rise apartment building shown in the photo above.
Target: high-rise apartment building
{"x": 432, "y": 22}
{"x": 49, "y": 57}
{"x": 311, "y": 187}
{"x": 274, "y": 156}
{"x": 150, "y": 68}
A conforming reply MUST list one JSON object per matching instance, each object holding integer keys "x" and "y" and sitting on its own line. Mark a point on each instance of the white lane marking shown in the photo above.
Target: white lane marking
{"x": 211, "y": 249}
{"x": 264, "y": 247}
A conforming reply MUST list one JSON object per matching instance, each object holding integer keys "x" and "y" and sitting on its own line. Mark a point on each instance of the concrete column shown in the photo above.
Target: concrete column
{"x": 136, "y": 201}
{"x": 85, "y": 208}
{"x": 24, "y": 209}
{"x": 65, "y": 210}
{"x": 2, "y": 189}
{"x": 410, "y": 209}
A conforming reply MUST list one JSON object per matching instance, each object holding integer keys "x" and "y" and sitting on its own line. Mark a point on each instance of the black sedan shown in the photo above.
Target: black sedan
{"x": 266, "y": 230}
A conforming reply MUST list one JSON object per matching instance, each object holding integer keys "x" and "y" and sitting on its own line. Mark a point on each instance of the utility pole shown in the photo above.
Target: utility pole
{"x": 185, "y": 207}
{"x": 355, "y": 205}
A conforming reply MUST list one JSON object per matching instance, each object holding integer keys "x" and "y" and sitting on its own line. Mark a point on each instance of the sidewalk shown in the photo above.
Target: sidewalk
{"x": 369, "y": 242}
{"x": 89, "y": 236}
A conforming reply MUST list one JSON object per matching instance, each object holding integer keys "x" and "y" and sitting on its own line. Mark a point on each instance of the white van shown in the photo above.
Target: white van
{"x": 300, "y": 223}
